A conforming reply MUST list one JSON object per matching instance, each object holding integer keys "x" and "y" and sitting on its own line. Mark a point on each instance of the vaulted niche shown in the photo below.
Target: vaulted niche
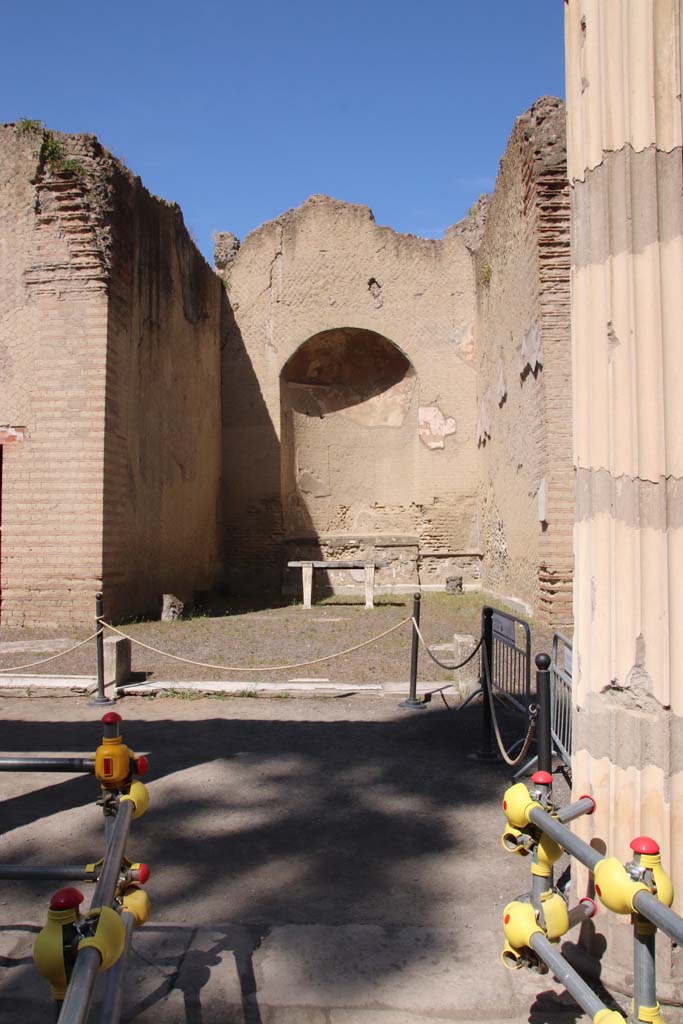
{"x": 356, "y": 372}
{"x": 348, "y": 433}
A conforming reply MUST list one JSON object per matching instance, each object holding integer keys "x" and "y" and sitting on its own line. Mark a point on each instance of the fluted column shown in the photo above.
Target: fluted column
{"x": 625, "y": 170}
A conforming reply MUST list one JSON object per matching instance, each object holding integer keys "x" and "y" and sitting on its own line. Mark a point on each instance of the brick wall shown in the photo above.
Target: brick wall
{"x": 53, "y": 331}
{"x": 317, "y": 272}
{"x": 110, "y": 332}
{"x": 162, "y": 456}
{"x": 524, "y": 371}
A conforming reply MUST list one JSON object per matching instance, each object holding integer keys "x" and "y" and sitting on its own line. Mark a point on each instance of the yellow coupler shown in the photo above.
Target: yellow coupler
{"x": 136, "y": 902}
{"x": 109, "y": 936}
{"x": 49, "y": 947}
{"x": 114, "y": 761}
{"x": 49, "y": 951}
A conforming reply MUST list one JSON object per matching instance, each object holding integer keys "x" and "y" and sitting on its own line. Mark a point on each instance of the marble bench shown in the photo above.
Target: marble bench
{"x": 307, "y": 568}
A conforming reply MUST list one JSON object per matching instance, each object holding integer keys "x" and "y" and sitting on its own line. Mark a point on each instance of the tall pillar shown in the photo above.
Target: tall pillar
{"x": 625, "y": 170}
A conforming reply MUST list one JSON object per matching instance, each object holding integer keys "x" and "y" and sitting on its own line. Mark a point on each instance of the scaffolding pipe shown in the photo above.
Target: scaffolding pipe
{"x": 47, "y": 764}
{"x": 113, "y": 856}
{"x": 567, "y": 840}
{"x": 644, "y": 973}
{"x": 67, "y": 872}
{"x": 583, "y": 911}
{"x": 644, "y": 902}
{"x": 567, "y": 976}
{"x": 112, "y": 1000}
{"x": 664, "y": 917}
{"x": 584, "y": 805}
{"x": 76, "y": 1005}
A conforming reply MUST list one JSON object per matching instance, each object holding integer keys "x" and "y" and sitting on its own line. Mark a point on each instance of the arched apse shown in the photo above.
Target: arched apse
{"x": 349, "y": 437}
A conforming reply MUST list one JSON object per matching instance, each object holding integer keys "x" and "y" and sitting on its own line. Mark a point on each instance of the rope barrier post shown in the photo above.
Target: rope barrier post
{"x": 100, "y": 697}
{"x": 487, "y": 751}
{"x": 543, "y": 736}
{"x": 412, "y": 703}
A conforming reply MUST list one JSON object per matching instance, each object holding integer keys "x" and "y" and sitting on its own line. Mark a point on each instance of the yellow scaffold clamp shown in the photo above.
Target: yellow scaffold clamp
{"x": 53, "y": 950}
{"x": 517, "y": 803}
{"x": 115, "y": 763}
{"x": 108, "y": 937}
{"x": 519, "y": 924}
{"x": 136, "y": 902}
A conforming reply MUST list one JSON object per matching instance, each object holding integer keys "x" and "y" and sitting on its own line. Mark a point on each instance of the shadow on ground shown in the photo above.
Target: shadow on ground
{"x": 335, "y": 822}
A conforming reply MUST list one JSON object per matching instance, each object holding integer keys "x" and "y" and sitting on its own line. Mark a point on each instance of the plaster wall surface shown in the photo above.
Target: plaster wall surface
{"x": 53, "y": 330}
{"x": 326, "y": 270}
{"x": 625, "y": 158}
{"x": 524, "y": 370}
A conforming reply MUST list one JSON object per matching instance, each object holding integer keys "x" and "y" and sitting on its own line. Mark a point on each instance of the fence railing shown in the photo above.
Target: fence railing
{"x": 505, "y": 671}
{"x": 561, "y": 697}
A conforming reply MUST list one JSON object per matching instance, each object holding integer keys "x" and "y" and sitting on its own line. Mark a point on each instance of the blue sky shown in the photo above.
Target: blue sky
{"x": 239, "y": 110}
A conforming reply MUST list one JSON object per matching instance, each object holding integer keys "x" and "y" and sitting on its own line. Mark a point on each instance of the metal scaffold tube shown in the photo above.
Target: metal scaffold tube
{"x": 47, "y": 764}
{"x": 67, "y": 872}
{"x": 584, "y": 805}
{"x": 112, "y": 1001}
{"x": 571, "y": 843}
{"x": 76, "y": 1005}
{"x": 666, "y": 919}
{"x": 565, "y": 973}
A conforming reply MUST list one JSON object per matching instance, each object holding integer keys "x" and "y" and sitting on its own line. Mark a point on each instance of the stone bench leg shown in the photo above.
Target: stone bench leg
{"x": 370, "y": 586}
{"x": 307, "y": 581}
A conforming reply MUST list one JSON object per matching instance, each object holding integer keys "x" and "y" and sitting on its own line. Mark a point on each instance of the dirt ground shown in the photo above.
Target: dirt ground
{"x": 285, "y": 836}
{"x": 241, "y": 635}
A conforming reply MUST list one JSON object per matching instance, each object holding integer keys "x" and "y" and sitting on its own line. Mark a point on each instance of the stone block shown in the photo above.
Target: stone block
{"x": 117, "y": 660}
{"x": 466, "y": 678}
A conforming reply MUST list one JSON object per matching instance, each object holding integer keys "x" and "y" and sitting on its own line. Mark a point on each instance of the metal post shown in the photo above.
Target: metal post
{"x": 47, "y": 764}
{"x": 487, "y": 750}
{"x": 112, "y": 1000}
{"x": 543, "y": 737}
{"x": 565, "y": 973}
{"x": 76, "y": 1005}
{"x": 100, "y": 697}
{"x": 412, "y": 701}
{"x": 644, "y": 975}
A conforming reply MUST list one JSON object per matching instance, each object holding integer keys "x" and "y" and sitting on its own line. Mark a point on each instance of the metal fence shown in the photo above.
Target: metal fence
{"x": 561, "y": 697}
{"x": 508, "y": 643}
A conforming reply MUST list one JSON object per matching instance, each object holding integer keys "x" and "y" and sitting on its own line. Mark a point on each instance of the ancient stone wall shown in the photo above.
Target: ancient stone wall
{"x": 162, "y": 456}
{"x": 524, "y": 370}
{"x": 352, "y": 429}
{"x": 109, "y": 406}
{"x": 53, "y": 330}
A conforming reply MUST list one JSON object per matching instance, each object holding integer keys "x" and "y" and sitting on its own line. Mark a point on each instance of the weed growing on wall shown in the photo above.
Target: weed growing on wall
{"x": 54, "y": 156}
{"x": 52, "y": 152}
{"x": 28, "y": 126}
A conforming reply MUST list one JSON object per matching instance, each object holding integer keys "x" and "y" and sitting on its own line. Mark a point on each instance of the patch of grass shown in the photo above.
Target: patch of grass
{"x": 246, "y": 693}
{"x": 485, "y": 274}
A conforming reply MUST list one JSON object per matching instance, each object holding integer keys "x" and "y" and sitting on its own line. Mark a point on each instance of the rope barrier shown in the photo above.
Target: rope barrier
{"x": 251, "y": 668}
{"x": 443, "y": 664}
{"x": 513, "y": 763}
{"x": 53, "y": 657}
